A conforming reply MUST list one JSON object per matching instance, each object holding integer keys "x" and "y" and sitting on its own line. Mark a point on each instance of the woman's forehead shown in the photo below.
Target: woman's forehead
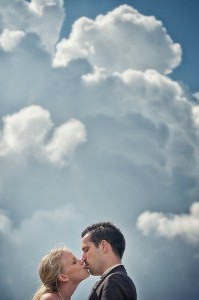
{"x": 68, "y": 256}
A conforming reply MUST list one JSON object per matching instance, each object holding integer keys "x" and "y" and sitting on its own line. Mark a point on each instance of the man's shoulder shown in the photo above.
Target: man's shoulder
{"x": 120, "y": 269}
{"x": 120, "y": 276}
{"x": 118, "y": 285}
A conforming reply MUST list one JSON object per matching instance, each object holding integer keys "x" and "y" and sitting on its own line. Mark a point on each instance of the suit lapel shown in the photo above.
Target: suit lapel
{"x": 97, "y": 284}
{"x": 94, "y": 288}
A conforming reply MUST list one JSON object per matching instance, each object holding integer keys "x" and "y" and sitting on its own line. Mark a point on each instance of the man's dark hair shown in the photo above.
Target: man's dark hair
{"x": 109, "y": 232}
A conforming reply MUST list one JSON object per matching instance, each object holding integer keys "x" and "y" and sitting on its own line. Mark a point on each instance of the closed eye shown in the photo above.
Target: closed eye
{"x": 85, "y": 249}
{"x": 74, "y": 260}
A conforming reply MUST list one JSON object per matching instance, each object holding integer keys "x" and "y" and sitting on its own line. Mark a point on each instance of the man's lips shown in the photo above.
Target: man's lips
{"x": 85, "y": 265}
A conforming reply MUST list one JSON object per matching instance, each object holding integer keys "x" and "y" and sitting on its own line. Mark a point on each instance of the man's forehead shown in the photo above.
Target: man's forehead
{"x": 86, "y": 239}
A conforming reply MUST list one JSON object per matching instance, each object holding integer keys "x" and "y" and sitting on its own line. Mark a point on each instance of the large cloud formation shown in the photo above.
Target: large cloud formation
{"x": 92, "y": 127}
{"x": 103, "y": 40}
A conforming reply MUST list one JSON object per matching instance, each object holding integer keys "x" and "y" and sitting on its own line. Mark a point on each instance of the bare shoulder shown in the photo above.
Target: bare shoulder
{"x": 49, "y": 296}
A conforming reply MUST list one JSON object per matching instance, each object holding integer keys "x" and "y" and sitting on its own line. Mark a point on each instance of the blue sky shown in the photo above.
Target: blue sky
{"x": 99, "y": 120}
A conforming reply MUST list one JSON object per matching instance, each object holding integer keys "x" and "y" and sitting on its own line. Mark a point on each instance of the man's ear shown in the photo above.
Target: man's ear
{"x": 62, "y": 277}
{"x": 104, "y": 245}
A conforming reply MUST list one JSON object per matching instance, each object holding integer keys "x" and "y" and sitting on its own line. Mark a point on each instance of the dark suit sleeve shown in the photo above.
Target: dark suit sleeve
{"x": 118, "y": 287}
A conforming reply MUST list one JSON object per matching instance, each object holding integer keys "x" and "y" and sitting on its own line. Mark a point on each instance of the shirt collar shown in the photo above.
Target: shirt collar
{"x": 109, "y": 269}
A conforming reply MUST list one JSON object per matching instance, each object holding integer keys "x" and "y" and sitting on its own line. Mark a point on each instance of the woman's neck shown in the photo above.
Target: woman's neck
{"x": 66, "y": 291}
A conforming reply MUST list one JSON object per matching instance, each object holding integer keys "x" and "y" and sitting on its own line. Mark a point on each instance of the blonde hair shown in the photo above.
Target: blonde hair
{"x": 49, "y": 269}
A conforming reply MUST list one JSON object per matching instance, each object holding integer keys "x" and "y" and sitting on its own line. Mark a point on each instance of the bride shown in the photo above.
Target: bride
{"x": 60, "y": 273}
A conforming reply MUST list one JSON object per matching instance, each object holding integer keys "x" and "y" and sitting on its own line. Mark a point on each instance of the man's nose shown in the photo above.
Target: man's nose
{"x": 83, "y": 257}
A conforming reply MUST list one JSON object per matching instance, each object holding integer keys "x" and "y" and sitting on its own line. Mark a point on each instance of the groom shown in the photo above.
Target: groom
{"x": 103, "y": 246}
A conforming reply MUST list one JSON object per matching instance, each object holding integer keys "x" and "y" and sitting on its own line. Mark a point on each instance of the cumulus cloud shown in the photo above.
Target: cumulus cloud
{"x": 10, "y": 39}
{"x": 195, "y": 113}
{"x": 142, "y": 92}
{"x": 123, "y": 30}
{"x": 159, "y": 104}
{"x": 171, "y": 226}
{"x": 95, "y": 125}
{"x": 24, "y": 129}
{"x": 25, "y": 133}
{"x": 38, "y": 17}
{"x": 65, "y": 140}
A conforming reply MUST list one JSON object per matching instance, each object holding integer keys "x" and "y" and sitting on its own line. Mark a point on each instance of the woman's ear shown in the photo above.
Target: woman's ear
{"x": 62, "y": 277}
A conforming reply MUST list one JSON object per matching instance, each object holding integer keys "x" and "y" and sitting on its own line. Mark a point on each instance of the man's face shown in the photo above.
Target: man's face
{"x": 92, "y": 255}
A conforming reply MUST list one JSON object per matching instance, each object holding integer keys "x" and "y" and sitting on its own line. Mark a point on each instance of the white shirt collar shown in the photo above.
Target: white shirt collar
{"x": 109, "y": 269}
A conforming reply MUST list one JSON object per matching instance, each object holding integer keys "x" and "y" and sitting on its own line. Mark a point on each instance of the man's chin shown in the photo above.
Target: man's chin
{"x": 91, "y": 272}
{"x": 94, "y": 273}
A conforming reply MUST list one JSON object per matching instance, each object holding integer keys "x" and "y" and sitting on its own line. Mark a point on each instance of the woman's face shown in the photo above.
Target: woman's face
{"x": 73, "y": 268}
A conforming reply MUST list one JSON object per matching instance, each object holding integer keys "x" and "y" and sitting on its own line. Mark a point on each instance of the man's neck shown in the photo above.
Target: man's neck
{"x": 109, "y": 269}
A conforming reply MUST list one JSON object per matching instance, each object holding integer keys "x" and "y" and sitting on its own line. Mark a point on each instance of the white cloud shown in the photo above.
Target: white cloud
{"x": 39, "y": 5}
{"x": 123, "y": 33}
{"x": 65, "y": 140}
{"x": 196, "y": 95}
{"x": 195, "y": 113}
{"x": 49, "y": 14}
{"x": 25, "y": 133}
{"x": 10, "y": 39}
{"x": 142, "y": 134}
{"x": 38, "y": 17}
{"x": 159, "y": 104}
{"x": 172, "y": 226}
{"x": 24, "y": 130}
{"x": 140, "y": 92}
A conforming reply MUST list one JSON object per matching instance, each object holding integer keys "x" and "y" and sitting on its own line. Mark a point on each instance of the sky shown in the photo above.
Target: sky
{"x": 99, "y": 121}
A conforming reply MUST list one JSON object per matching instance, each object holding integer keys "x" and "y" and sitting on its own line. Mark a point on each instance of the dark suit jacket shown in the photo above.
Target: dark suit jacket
{"x": 116, "y": 285}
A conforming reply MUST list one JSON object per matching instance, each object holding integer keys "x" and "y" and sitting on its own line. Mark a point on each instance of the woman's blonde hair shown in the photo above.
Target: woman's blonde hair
{"x": 49, "y": 269}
